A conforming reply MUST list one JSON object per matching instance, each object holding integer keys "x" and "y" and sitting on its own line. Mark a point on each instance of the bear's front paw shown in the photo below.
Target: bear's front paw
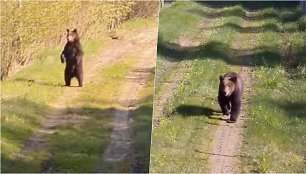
{"x": 63, "y": 58}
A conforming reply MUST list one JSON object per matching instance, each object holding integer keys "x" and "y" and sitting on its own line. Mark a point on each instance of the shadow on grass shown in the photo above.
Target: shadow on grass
{"x": 74, "y": 146}
{"x": 284, "y": 12}
{"x": 142, "y": 137}
{"x": 251, "y": 5}
{"x": 19, "y": 165}
{"x": 285, "y": 17}
{"x": 292, "y": 109}
{"x": 261, "y": 56}
{"x": 218, "y": 154}
{"x": 18, "y": 118}
{"x": 264, "y": 28}
{"x": 39, "y": 82}
{"x": 192, "y": 110}
{"x": 27, "y": 114}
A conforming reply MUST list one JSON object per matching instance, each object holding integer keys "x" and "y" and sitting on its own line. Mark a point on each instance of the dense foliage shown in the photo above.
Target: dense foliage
{"x": 28, "y": 26}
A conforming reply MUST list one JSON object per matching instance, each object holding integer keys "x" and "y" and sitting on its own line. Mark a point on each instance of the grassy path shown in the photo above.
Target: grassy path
{"x": 27, "y": 98}
{"x": 108, "y": 56}
{"x": 121, "y": 145}
{"x": 83, "y": 116}
{"x": 228, "y": 138}
{"x": 58, "y": 115}
{"x": 169, "y": 87}
{"x": 181, "y": 140}
{"x": 191, "y": 135}
{"x": 170, "y": 74}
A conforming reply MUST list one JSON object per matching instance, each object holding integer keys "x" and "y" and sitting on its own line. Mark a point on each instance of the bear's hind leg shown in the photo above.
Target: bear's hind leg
{"x": 235, "y": 109}
{"x": 67, "y": 78}
{"x": 79, "y": 76}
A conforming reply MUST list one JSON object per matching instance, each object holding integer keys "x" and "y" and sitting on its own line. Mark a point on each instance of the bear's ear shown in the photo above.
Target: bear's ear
{"x": 75, "y": 30}
{"x": 221, "y": 78}
{"x": 67, "y": 30}
{"x": 234, "y": 79}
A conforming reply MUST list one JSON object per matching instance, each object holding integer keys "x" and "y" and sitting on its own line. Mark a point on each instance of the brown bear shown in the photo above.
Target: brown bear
{"x": 230, "y": 93}
{"x": 73, "y": 54}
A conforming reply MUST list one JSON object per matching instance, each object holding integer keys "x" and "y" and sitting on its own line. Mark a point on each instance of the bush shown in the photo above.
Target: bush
{"x": 28, "y": 26}
{"x": 302, "y": 23}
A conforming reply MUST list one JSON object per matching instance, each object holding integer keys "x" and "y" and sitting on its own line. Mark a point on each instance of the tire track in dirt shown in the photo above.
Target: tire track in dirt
{"x": 227, "y": 143}
{"x": 171, "y": 84}
{"x": 58, "y": 113}
{"x": 121, "y": 146}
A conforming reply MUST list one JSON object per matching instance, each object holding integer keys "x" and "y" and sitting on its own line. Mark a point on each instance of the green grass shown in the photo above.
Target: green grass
{"x": 72, "y": 148}
{"x": 97, "y": 104}
{"x": 276, "y": 123}
{"x": 129, "y": 27}
{"x": 180, "y": 142}
{"x": 274, "y": 138}
{"x": 176, "y": 20}
{"x": 142, "y": 124}
{"x": 138, "y": 23}
{"x": 87, "y": 140}
{"x": 25, "y": 97}
{"x": 185, "y": 132}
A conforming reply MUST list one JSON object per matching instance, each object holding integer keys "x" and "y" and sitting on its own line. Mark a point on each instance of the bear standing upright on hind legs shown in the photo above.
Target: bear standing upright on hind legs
{"x": 230, "y": 94}
{"x": 73, "y": 55}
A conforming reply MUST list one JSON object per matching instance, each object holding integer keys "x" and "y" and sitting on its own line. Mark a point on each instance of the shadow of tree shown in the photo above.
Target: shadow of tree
{"x": 39, "y": 82}
{"x": 251, "y": 5}
{"x": 292, "y": 109}
{"x": 289, "y": 12}
{"x": 264, "y": 28}
{"x": 80, "y": 143}
{"x": 262, "y": 55}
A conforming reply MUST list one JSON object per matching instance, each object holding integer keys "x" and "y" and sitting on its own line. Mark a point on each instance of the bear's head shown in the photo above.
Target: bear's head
{"x": 227, "y": 85}
{"x": 72, "y": 36}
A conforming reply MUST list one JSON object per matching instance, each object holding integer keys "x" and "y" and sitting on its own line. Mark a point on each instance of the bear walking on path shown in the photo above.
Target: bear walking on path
{"x": 230, "y": 94}
{"x": 73, "y": 54}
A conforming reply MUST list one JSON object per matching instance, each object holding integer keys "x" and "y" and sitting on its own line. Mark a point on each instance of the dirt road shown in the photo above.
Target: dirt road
{"x": 59, "y": 113}
{"x": 227, "y": 142}
{"x": 121, "y": 145}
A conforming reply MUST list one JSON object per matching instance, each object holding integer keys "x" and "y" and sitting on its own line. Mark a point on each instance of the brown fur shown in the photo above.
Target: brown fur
{"x": 230, "y": 94}
{"x": 73, "y": 55}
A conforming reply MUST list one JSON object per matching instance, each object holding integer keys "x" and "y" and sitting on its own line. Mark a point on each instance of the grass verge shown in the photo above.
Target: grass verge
{"x": 87, "y": 140}
{"x": 183, "y": 138}
{"x": 25, "y": 97}
{"x": 274, "y": 136}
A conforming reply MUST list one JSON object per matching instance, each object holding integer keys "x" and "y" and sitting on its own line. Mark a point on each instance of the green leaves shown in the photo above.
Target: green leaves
{"x": 28, "y": 26}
